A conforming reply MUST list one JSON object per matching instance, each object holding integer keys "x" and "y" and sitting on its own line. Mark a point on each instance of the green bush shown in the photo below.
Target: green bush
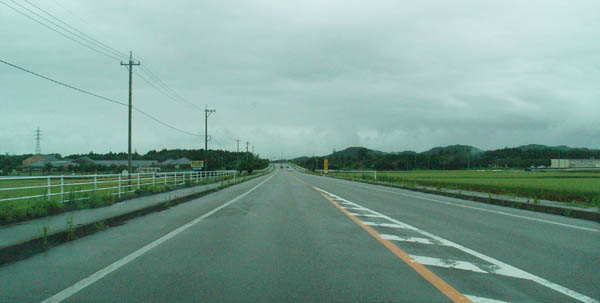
{"x": 100, "y": 200}
{"x": 7, "y": 214}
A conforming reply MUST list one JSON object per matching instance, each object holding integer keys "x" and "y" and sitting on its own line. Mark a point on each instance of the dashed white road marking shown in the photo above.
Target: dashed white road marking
{"x": 498, "y": 267}
{"x": 447, "y": 263}
{"x": 475, "y": 299}
{"x": 75, "y": 288}
{"x": 407, "y": 239}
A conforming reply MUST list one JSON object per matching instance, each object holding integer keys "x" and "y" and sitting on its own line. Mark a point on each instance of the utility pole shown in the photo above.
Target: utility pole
{"x": 130, "y": 66}
{"x": 238, "y": 152}
{"x": 207, "y": 113}
{"x": 247, "y": 143}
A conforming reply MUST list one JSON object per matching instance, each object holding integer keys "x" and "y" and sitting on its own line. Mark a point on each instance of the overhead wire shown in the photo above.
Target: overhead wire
{"x": 173, "y": 95}
{"x": 89, "y": 42}
{"x": 156, "y": 87}
{"x": 100, "y": 97}
{"x": 97, "y": 42}
{"x": 95, "y": 45}
{"x": 112, "y": 56}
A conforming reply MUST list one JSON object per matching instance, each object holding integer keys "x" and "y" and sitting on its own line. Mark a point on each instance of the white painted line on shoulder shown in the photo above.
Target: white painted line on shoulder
{"x": 481, "y": 209}
{"x": 407, "y": 239}
{"x": 357, "y": 208}
{"x": 369, "y": 215}
{"x": 447, "y": 263}
{"x": 73, "y": 289}
{"x": 500, "y": 267}
{"x": 475, "y": 299}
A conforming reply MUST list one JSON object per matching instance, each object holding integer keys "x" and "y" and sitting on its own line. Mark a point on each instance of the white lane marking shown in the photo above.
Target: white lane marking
{"x": 367, "y": 215}
{"x": 390, "y": 225}
{"x": 447, "y": 263}
{"x": 73, "y": 289}
{"x": 479, "y": 208}
{"x": 354, "y": 208}
{"x": 501, "y": 267}
{"x": 407, "y": 239}
{"x": 475, "y": 299}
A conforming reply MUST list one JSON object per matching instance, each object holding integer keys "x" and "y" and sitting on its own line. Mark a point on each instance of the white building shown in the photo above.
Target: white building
{"x": 575, "y": 163}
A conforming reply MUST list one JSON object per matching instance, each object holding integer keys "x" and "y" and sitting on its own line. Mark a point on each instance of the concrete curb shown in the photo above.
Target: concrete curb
{"x": 26, "y": 249}
{"x": 567, "y": 212}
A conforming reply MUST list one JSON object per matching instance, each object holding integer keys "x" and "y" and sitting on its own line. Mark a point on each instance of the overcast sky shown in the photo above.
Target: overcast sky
{"x": 304, "y": 77}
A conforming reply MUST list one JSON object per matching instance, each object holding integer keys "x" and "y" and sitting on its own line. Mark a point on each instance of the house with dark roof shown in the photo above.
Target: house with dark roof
{"x": 38, "y": 162}
{"x": 39, "y": 158}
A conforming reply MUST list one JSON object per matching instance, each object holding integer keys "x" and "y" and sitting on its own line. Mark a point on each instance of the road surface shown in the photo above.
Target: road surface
{"x": 291, "y": 237}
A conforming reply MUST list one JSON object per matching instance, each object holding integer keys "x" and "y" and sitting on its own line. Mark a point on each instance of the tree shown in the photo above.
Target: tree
{"x": 47, "y": 167}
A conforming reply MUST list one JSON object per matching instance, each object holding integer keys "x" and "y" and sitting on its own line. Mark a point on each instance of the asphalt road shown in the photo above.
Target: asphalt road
{"x": 290, "y": 237}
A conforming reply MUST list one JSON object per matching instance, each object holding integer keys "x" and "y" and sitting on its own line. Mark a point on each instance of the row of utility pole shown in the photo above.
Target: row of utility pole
{"x": 207, "y": 112}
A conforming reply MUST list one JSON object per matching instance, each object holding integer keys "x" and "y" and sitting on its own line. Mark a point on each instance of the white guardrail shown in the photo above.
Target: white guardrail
{"x": 68, "y": 187}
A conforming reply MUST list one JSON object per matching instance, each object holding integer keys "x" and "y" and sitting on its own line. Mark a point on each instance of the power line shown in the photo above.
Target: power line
{"x": 99, "y": 43}
{"x": 173, "y": 94}
{"x": 165, "y": 124}
{"x": 158, "y": 88}
{"x": 57, "y": 31}
{"x": 64, "y": 84}
{"x": 99, "y": 47}
{"x": 100, "y": 97}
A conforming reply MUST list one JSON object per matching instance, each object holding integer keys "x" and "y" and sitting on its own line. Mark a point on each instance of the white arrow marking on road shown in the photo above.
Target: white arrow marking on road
{"x": 447, "y": 263}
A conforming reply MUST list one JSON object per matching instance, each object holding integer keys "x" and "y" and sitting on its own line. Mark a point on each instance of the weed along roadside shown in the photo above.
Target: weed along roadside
{"x": 33, "y": 239}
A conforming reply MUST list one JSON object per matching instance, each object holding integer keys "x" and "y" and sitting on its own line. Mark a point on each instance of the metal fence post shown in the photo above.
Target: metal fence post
{"x": 49, "y": 191}
{"x": 62, "y": 188}
{"x": 119, "y": 185}
{"x": 375, "y": 175}
{"x": 175, "y": 181}
{"x": 138, "y": 180}
{"x": 95, "y": 182}
{"x": 153, "y": 177}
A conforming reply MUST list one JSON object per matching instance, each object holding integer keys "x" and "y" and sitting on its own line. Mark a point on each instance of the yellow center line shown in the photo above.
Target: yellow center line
{"x": 436, "y": 281}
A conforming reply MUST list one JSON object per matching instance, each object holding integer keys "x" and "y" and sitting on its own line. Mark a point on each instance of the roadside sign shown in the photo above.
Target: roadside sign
{"x": 197, "y": 165}
{"x": 325, "y": 165}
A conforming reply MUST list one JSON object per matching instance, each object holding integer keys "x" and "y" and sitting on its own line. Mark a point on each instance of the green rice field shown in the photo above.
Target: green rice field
{"x": 573, "y": 187}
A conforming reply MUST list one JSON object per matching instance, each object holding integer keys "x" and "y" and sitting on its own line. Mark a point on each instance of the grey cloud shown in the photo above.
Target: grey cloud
{"x": 310, "y": 76}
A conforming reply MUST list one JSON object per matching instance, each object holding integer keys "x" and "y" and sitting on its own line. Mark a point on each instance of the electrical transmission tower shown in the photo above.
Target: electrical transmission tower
{"x": 38, "y": 137}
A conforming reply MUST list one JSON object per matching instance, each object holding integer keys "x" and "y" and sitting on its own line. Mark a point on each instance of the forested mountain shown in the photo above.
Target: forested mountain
{"x": 449, "y": 157}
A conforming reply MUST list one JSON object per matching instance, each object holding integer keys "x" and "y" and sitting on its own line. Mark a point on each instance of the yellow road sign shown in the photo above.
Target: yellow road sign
{"x": 197, "y": 163}
{"x": 325, "y": 165}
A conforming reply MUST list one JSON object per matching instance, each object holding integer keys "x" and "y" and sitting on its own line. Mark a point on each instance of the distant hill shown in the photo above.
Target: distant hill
{"x": 454, "y": 149}
{"x": 355, "y": 151}
{"x": 448, "y": 157}
{"x": 555, "y": 148}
